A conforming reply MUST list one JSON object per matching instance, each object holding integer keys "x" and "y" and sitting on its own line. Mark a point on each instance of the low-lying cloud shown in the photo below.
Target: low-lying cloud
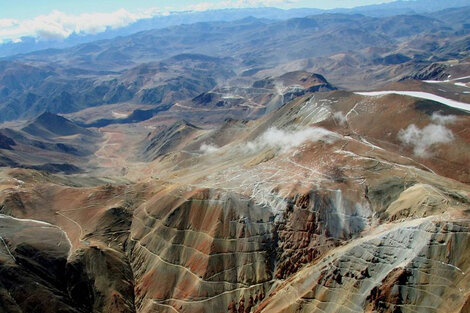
{"x": 423, "y": 139}
{"x": 208, "y": 148}
{"x": 59, "y": 25}
{"x": 340, "y": 118}
{"x": 443, "y": 119}
{"x": 285, "y": 140}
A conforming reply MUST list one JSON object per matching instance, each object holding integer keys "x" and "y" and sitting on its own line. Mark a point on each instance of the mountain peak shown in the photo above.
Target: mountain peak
{"x": 47, "y": 117}
{"x": 52, "y": 125}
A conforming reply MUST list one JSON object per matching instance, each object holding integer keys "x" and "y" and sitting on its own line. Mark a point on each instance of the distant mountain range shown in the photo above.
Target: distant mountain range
{"x": 29, "y": 44}
{"x": 160, "y": 68}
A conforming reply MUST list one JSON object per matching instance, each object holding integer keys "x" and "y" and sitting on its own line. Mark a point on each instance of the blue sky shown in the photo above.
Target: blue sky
{"x": 26, "y": 9}
{"x": 58, "y": 19}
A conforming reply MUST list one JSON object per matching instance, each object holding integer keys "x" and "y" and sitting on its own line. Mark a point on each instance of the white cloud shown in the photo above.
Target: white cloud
{"x": 423, "y": 139}
{"x": 340, "y": 118}
{"x": 208, "y": 148}
{"x": 443, "y": 119}
{"x": 285, "y": 140}
{"x": 59, "y": 25}
{"x": 7, "y": 22}
{"x": 282, "y": 140}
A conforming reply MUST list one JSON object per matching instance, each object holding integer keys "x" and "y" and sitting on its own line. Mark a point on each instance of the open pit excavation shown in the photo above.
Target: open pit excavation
{"x": 247, "y": 160}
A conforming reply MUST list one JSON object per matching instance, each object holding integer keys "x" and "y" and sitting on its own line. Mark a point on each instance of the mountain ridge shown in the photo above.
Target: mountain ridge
{"x": 29, "y": 44}
{"x": 104, "y": 73}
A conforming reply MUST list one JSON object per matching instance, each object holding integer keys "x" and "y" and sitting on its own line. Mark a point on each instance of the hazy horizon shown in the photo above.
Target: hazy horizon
{"x": 31, "y": 9}
{"x": 59, "y": 19}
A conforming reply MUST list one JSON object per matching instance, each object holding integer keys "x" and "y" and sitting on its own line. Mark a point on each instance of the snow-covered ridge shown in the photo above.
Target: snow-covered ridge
{"x": 423, "y": 95}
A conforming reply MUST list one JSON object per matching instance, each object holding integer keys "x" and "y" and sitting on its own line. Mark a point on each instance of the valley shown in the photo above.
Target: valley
{"x": 313, "y": 164}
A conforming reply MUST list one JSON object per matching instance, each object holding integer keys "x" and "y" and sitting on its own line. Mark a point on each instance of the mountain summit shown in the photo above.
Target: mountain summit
{"x": 49, "y": 125}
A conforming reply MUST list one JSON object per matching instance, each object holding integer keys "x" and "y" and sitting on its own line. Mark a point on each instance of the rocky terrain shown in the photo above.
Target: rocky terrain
{"x": 306, "y": 209}
{"x": 194, "y": 184}
{"x": 156, "y": 69}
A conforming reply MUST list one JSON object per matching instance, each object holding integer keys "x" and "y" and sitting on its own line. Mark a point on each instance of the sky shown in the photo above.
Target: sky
{"x": 55, "y": 19}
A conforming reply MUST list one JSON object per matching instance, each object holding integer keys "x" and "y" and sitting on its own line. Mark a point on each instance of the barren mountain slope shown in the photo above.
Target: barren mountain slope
{"x": 314, "y": 207}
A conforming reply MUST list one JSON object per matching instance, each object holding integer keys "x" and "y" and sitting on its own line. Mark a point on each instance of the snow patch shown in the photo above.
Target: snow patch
{"x": 462, "y": 85}
{"x": 118, "y": 115}
{"x": 461, "y": 78}
{"x": 436, "y": 81}
{"x": 422, "y": 95}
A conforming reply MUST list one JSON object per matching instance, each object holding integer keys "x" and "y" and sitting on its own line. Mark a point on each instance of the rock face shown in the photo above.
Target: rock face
{"x": 207, "y": 245}
{"x": 409, "y": 266}
{"x": 169, "y": 139}
{"x": 434, "y": 71}
{"x": 320, "y": 206}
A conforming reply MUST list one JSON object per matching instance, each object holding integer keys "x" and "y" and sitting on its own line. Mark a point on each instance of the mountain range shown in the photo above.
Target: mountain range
{"x": 318, "y": 162}
{"x": 146, "y": 68}
{"x": 28, "y": 43}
